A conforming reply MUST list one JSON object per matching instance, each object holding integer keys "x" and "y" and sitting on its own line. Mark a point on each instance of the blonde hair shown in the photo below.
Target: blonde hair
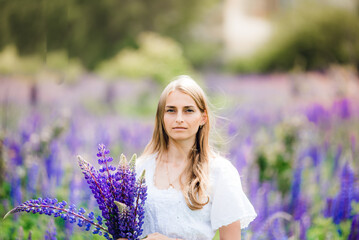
{"x": 196, "y": 184}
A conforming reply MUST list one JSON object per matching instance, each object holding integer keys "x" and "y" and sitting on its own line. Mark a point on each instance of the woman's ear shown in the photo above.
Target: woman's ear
{"x": 204, "y": 118}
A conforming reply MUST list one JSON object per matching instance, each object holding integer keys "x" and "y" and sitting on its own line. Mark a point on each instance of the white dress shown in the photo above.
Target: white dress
{"x": 166, "y": 211}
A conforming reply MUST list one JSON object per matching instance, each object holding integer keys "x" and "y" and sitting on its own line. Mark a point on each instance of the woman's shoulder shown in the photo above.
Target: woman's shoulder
{"x": 222, "y": 172}
{"x": 220, "y": 164}
{"x": 144, "y": 161}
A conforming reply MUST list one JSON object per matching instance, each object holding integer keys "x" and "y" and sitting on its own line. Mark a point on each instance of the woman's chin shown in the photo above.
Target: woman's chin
{"x": 182, "y": 138}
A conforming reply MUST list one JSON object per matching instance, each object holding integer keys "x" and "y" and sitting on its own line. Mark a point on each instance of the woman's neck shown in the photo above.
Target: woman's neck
{"x": 178, "y": 152}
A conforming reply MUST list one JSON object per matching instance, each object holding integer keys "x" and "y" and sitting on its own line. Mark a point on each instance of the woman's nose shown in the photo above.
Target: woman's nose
{"x": 179, "y": 118}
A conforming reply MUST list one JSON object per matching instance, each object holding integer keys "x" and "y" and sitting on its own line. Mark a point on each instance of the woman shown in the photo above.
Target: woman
{"x": 192, "y": 191}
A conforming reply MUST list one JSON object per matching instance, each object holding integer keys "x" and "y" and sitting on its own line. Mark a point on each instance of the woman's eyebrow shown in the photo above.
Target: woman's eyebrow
{"x": 189, "y": 106}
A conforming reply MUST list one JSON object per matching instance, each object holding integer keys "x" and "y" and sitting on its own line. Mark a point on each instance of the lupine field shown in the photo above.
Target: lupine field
{"x": 293, "y": 138}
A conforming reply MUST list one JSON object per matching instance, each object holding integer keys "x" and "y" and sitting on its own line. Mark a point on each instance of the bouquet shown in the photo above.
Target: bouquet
{"x": 120, "y": 198}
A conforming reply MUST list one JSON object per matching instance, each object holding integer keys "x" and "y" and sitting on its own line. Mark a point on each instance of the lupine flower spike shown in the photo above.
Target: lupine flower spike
{"x": 120, "y": 198}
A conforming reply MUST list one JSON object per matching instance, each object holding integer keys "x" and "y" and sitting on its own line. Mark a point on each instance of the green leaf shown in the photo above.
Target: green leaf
{"x": 121, "y": 206}
{"x": 123, "y": 161}
{"x": 132, "y": 162}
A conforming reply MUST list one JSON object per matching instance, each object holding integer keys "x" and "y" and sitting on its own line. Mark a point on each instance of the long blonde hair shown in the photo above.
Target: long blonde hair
{"x": 196, "y": 184}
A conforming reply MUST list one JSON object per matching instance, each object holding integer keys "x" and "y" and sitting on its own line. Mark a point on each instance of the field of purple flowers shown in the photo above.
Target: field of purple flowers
{"x": 293, "y": 138}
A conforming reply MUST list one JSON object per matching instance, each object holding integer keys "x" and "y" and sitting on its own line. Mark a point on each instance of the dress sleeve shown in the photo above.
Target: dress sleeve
{"x": 229, "y": 202}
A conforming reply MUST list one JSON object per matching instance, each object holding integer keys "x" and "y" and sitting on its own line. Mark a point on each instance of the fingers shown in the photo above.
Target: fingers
{"x": 150, "y": 236}
{"x": 155, "y": 236}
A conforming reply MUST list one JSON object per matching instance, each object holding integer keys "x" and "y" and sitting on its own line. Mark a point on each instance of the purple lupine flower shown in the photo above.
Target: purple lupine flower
{"x": 232, "y": 130}
{"x": 239, "y": 158}
{"x": 73, "y": 197}
{"x": 317, "y": 114}
{"x": 120, "y": 198}
{"x": 15, "y": 189}
{"x": 261, "y": 205}
{"x": 30, "y": 125}
{"x": 328, "y": 210}
{"x": 16, "y": 162}
{"x": 16, "y": 157}
{"x": 342, "y": 207}
{"x": 134, "y": 136}
{"x": 73, "y": 140}
{"x": 266, "y": 227}
{"x": 342, "y": 108}
{"x": 354, "y": 230}
{"x": 314, "y": 154}
{"x": 337, "y": 157}
{"x": 295, "y": 189}
{"x": 305, "y": 224}
{"x": 51, "y": 231}
{"x": 51, "y": 160}
{"x": 301, "y": 209}
{"x": 112, "y": 185}
{"x": 52, "y": 207}
{"x": 103, "y": 135}
{"x": 32, "y": 176}
{"x": 353, "y": 144}
{"x": 254, "y": 183}
{"x": 276, "y": 231}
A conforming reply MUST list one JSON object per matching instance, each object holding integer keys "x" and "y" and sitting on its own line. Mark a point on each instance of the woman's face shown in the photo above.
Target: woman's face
{"x": 182, "y": 117}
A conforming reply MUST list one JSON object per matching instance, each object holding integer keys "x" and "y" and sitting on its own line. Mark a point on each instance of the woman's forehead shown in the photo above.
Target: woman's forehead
{"x": 177, "y": 98}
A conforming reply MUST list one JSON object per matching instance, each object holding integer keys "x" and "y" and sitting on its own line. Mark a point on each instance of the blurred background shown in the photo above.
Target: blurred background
{"x": 282, "y": 78}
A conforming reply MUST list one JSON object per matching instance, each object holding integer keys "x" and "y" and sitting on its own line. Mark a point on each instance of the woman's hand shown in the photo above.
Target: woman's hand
{"x": 154, "y": 236}
{"x": 158, "y": 236}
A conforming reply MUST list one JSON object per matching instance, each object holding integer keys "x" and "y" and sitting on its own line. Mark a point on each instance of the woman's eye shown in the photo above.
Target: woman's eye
{"x": 189, "y": 110}
{"x": 170, "y": 110}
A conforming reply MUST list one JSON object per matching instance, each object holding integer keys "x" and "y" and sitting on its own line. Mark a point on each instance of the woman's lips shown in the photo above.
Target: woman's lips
{"x": 179, "y": 128}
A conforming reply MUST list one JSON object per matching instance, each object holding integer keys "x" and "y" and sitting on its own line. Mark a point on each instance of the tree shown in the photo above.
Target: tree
{"x": 90, "y": 29}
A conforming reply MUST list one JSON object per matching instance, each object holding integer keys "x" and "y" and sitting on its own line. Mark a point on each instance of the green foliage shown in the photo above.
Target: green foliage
{"x": 216, "y": 237}
{"x": 92, "y": 30}
{"x": 355, "y": 207}
{"x": 37, "y": 225}
{"x": 23, "y": 24}
{"x": 8, "y": 60}
{"x": 345, "y": 228}
{"x": 324, "y": 228}
{"x": 275, "y": 159}
{"x": 59, "y": 63}
{"x": 202, "y": 54}
{"x": 157, "y": 57}
{"x": 144, "y": 105}
{"x": 55, "y": 64}
{"x": 309, "y": 36}
{"x": 2, "y": 166}
{"x": 11, "y": 62}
